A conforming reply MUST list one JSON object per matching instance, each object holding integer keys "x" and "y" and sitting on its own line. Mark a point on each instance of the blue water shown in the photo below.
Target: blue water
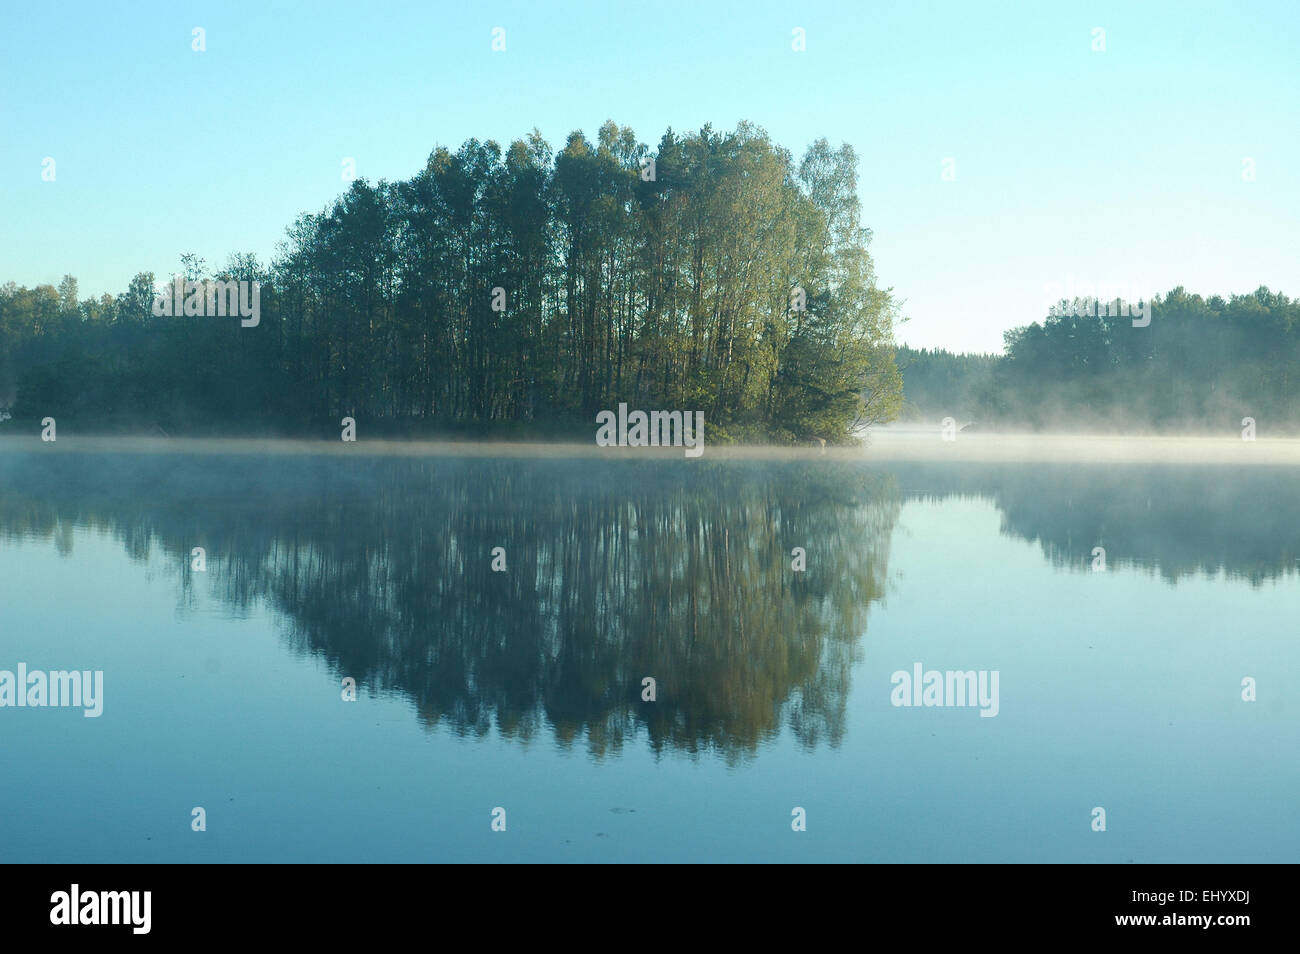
{"x": 521, "y": 690}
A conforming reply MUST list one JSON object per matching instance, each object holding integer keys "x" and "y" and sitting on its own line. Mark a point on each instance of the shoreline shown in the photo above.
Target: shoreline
{"x": 881, "y": 446}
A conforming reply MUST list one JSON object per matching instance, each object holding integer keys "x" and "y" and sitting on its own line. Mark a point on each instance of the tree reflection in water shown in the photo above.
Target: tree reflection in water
{"x": 680, "y": 570}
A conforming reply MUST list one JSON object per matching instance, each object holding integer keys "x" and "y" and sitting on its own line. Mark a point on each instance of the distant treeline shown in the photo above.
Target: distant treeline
{"x": 939, "y": 383}
{"x": 499, "y": 288}
{"x": 1201, "y": 364}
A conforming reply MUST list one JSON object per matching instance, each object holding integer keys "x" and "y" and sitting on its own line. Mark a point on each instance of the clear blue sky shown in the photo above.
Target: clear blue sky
{"x": 1118, "y": 166}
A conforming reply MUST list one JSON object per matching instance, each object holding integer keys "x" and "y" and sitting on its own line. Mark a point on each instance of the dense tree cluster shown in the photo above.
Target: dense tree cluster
{"x": 510, "y": 286}
{"x": 1201, "y": 364}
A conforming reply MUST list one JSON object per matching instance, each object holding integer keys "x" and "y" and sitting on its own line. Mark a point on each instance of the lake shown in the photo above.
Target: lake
{"x": 500, "y": 615}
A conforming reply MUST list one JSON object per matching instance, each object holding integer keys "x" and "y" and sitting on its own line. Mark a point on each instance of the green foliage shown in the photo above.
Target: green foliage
{"x": 1200, "y": 364}
{"x": 665, "y": 292}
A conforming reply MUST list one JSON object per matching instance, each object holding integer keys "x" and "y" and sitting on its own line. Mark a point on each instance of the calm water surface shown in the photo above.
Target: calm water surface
{"x": 522, "y": 689}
